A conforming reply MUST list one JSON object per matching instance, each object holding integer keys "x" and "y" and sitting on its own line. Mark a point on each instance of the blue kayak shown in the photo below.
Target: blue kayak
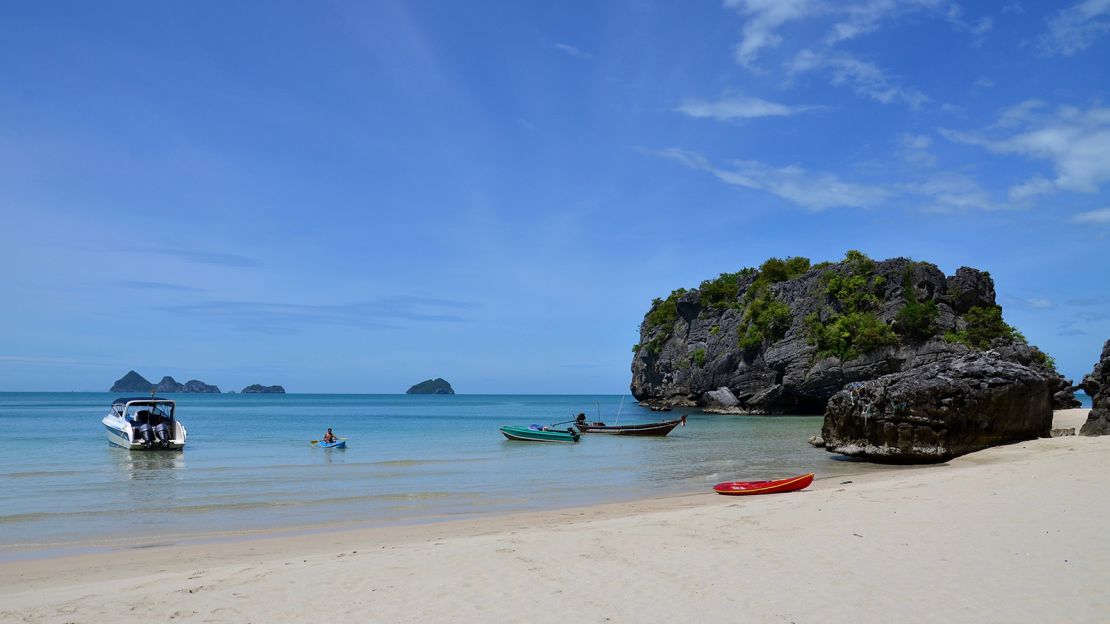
{"x": 336, "y": 444}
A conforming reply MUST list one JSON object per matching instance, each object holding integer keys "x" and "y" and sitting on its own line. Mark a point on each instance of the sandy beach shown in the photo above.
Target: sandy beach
{"x": 1010, "y": 534}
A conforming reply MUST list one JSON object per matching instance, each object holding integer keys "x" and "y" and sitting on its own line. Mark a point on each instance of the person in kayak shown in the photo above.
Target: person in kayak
{"x": 329, "y": 437}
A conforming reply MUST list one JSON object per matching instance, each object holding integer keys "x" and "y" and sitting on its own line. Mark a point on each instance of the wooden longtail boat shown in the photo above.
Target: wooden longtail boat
{"x": 529, "y": 434}
{"x": 649, "y": 429}
{"x": 741, "y": 488}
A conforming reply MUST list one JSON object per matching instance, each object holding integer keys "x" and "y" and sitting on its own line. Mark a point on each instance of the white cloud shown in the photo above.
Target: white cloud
{"x": 982, "y": 82}
{"x": 1039, "y": 302}
{"x": 849, "y": 20}
{"x": 574, "y": 51}
{"x": 738, "y": 107}
{"x": 814, "y": 190}
{"x": 915, "y": 149}
{"x": 1031, "y": 188}
{"x": 1093, "y": 217}
{"x": 949, "y": 192}
{"x": 1076, "y": 28}
{"x": 1076, "y": 142}
{"x": 763, "y": 18}
{"x": 868, "y": 79}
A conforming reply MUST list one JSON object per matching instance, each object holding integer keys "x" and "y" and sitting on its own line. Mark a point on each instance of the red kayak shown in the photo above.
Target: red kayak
{"x": 739, "y": 488}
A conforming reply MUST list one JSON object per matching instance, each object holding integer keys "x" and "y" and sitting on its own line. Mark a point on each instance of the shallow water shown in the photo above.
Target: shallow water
{"x": 249, "y": 465}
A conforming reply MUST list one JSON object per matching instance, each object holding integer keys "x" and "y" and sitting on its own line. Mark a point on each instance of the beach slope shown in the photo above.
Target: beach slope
{"x": 1010, "y": 534}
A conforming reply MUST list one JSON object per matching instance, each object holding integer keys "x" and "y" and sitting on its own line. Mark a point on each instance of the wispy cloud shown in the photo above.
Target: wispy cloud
{"x": 763, "y": 18}
{"x": 735, "y": 107}
{"x": 1076, "y": 142}
{"x": 813, "y": 190}
{"x": 292, "y": 318}
{"x": 866, "y": 78}
{"x": 1075, "y": 28}
{"x": 914, "y": 149}
{"x": 1093, "y": 217}
{"x": 571, "y": 50}
{"x": 142, "y": 285}
{"x": 950, "y": 192}
{"x": 199, "y": 257}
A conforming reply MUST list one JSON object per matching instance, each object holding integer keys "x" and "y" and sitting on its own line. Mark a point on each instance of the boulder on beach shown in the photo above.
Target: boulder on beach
{"x": 1097, "y": 385}
{"x": 432, "y": 386}
{"x": 939, "y": 411}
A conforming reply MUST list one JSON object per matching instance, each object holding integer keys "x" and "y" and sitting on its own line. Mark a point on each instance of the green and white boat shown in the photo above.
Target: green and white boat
{"x": 539, "y": 434}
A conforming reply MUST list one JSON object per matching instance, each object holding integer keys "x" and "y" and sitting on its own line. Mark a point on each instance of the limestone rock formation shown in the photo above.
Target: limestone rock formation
{"x": 432, "y": 386}
{"x": 785, "y": 338}
{"x": 195, "y": 385}
{"x": 1097, "y": 385}
{"x": 169, "y": 384}
{"x": 938, "y": 411}
{"x": 132, "y": 382}
{"x": 260, "y": 389}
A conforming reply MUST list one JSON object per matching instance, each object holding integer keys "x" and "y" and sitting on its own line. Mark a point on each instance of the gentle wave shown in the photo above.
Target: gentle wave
{"x": 187, "y": 509}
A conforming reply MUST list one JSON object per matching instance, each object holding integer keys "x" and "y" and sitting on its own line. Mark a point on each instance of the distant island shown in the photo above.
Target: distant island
{"x": 432, "y": 386}
{"x": 260, "y": 389}
{"x": 134, "y": 382}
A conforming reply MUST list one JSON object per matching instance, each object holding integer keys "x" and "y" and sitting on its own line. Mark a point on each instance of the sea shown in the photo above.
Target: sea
{"x": 249, "y": 466}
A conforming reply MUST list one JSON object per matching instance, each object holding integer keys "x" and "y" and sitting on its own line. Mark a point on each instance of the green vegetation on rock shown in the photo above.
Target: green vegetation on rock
{"x": 851, "y": 327}
{"x": 699, "y": 357}
{"x": 917, "y": 320}
{"x": 765, "y": 318}
{"x": 983, "y": 325}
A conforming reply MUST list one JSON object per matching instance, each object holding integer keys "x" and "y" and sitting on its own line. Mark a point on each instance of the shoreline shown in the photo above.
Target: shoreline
{"x": 1010, "y": 533}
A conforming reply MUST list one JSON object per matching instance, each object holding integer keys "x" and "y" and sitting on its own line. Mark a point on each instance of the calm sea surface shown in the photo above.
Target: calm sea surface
{"x": 249, "y": 465}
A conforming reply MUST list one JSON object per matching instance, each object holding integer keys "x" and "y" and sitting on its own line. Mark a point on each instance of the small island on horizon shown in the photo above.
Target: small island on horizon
{"x": 438, "y": 385}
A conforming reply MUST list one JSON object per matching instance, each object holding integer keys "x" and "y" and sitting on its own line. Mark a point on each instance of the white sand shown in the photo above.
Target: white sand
{"x": 1011, "y": 534}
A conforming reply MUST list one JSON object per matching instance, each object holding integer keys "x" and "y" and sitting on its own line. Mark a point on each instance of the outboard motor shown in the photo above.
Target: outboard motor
{"x": 163, "y": 431}
{"x": 142, "y": 429}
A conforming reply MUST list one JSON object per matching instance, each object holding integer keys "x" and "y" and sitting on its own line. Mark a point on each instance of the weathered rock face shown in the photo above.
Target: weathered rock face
{"x": 432, "y": 386}
{"x": 1097, "y": 384}
{"x": 939, "y": 411}
{"x": 132, "y": 382}
{"x": 693, "y": 344}
{"x": 260, "y": 389}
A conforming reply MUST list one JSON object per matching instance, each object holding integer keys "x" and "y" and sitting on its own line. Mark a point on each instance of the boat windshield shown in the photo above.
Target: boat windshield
{"x": 139, "y": 411}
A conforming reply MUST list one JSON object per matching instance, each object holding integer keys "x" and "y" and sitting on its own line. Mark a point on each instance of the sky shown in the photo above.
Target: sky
{"x": 357, "y": 196}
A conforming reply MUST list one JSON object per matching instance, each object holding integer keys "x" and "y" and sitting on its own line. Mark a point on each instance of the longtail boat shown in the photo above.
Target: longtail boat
{"x": 539, "y": 434}
{"x": 649, "y": 429}
{"x": 741, "y": 488}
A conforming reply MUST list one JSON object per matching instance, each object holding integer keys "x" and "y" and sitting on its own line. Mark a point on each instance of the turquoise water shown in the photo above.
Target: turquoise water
{"x": 249, "y": 466}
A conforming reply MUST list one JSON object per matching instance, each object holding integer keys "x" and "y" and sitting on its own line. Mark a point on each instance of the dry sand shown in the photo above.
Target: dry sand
{"x": 1010, "y": 534}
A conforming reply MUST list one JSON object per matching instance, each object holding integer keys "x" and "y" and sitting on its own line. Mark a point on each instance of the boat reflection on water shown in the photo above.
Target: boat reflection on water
{"x": 147, "y": 466}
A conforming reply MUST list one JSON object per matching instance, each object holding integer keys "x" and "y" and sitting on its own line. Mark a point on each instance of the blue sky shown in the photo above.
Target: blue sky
{"x": 353, "y": 197}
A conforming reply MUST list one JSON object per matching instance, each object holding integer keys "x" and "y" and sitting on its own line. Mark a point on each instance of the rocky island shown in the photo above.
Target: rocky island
{"x": 924, "y": 364}
{"x": 432, "y": 386}
{"x": 260, "y": 389}
{"x": 134, "y": 382}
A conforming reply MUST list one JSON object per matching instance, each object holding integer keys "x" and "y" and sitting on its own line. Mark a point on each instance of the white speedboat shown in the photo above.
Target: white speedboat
{"x": 144, "y": 423}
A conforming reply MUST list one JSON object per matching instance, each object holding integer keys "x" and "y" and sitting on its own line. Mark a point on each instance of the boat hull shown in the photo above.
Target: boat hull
{"x": 121, "y": 437}
{"x": 747, "y": 488}
{"x": 341, "y": 444}
{"x": 524, "y": 434}
{"x": 651, "y": 429}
